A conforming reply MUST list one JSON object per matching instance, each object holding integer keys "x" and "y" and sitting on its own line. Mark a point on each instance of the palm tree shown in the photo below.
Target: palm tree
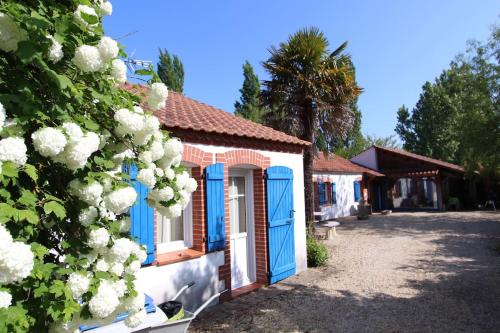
{"x": 309, "y": 93}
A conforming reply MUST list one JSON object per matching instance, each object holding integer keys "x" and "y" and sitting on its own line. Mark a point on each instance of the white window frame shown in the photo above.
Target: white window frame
{"x": 187, "y": 223}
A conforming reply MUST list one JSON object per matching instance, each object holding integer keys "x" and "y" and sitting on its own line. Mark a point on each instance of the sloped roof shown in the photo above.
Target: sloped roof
{"x": 334, "y": 163}
{"x": 422, "y": 158}
{"x": 182, "y": 112}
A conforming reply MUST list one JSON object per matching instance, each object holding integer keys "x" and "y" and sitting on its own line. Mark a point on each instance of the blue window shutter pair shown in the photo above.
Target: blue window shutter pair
{"x": 141, "y": 215}
{"x": 334, "y": 193}
{"x": 357, "y": 191}
{"x": 321, "y": 193}
{"x": 214, "y": 191}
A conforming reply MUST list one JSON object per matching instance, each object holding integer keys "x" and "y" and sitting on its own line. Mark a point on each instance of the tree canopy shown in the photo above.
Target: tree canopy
{"x": 171, "y": 71}
{"x": 456, "y": 117}
{"x": 249, "y": 105}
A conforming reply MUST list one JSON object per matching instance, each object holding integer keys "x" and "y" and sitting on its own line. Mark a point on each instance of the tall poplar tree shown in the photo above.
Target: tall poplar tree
{"x": 171, "y": 71}
{"x": 249, "y": 104}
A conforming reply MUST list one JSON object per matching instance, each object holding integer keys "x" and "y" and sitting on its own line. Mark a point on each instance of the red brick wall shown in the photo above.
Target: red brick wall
{"x": 246, "y": 157}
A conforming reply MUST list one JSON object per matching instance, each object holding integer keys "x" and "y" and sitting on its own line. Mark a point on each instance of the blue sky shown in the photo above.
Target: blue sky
{"x": 395, "y": 45}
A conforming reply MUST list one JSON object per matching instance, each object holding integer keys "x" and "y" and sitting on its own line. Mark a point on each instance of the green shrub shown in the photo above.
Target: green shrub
{"x": 317, "y": 253}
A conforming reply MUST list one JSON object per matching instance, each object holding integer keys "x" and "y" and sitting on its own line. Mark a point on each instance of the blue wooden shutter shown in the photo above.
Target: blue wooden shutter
{"x": 280, "y": 219}
{"x": 214, "y": 190}
{"x": 334, "y": 193}
{"x": 357, "y": 191}
{"x": 141, "y": 215}
{"x": 321, "y": 193}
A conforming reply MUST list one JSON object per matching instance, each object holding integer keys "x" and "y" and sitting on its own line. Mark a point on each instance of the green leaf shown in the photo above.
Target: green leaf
{"x": 27, "y": 51}
{"x": 30, "y": 170}
{"x": 28, "y": 215}
{"x": 51, "y": 197}
{"x": 91, "y": 125}
{"x": 27, "y": 198}
{"x": 7, "y": 211}
{"x": 90, "y": 19}
{"x": 9, "y": 169}
{"x": 56, "y": 208}
{"x": 143, "y": 72}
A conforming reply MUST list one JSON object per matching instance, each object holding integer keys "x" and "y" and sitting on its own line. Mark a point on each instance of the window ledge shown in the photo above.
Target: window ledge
{"x": 177, "y": 256}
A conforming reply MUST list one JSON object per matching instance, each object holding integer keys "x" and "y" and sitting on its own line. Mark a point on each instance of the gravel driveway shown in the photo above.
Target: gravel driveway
{"x": 415, "y": 272}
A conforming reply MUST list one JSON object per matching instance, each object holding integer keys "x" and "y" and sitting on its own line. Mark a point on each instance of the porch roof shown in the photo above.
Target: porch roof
{"x": 328, "y": 162}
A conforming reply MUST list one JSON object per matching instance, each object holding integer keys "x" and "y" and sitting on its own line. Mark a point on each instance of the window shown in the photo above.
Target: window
{"x": 322, "y": 195}
{"x": 175, "y": 234}
{"x": 334, "y": 193}
{"x": 237, "y": 205}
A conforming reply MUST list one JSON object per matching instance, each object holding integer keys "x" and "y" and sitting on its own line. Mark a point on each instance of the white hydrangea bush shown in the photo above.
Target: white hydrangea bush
{"x": 67, "y": 130}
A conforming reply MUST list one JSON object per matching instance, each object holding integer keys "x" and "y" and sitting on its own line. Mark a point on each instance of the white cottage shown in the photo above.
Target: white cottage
{"x": 245, "y": 225}
{"x": 338, "y": 186}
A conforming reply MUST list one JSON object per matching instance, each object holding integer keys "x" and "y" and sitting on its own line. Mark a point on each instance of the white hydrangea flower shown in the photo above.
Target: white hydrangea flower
{"x": 164, "y": 194}
{"x": 10, "y": 34}
{"x": 98, "y": 238}
{"x": 158, "y": 94}
{"x": 121, "y": 249}
{"x": 124, "y": 224}
{"x": 136, "y": 319}
{"x": 172, "y": 211}
{"x": 120, "y": 287}
{"x": 169, "y": 173}
{"x": 73, "y": 131}
{"x": 120, "y": 200}
{"x": 117, "y": 268}
{"x": 108, "y": 48}
{"x": 146, "y": 157}
{"x": 156, "y": 150}
{"x": 5, "y": 299}
{"x": 77, "y": 152}
{"x": 49, "y": 141}
{"x": 88, "y": 59}
{"x": 16, "y": 259}
{"x": 184, "y": 199}
{"x": 79, "y": 20}
{"x": 181, "y": 179}
{"x": 140, "y": 253}
{"x": 105, "y": 301}
{"x": 147, "y": 177}
{"x": 13, "y": 150}
{"x": 191, "y": 185}
{"x": 101, "y": 265}
{"x": 78, "y": 284}
{"x": 134, "y": 304}
{"x": 55, "y": 51}
{"x": 159, "y": 172}
{"x": 129, "y": 122}
{"x": 89, "y": 193}
{"x": 88, "y": 216}
{"x": 105, "y": 7}
{"x": 119, "y": 71}
{"x": 173, "y": 148}
{"x": 133, "y": 267}
{"x": 3, "y": 116}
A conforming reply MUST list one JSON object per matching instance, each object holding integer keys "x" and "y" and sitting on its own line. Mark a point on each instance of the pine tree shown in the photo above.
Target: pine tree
{"x": 171, "y": 71}
{"x": 249, "y": 104}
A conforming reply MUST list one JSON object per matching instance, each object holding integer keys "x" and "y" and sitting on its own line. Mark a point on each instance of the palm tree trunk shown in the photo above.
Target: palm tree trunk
{"x": 308, "y": 135}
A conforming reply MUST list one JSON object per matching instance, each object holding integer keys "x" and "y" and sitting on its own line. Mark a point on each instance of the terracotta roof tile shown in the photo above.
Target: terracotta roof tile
{"x": 182, "y": 112}
{"x": 334, "y": 163}
{"x": 434, "y": 161}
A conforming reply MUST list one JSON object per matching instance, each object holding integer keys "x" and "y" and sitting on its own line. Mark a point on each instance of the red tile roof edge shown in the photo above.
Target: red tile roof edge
{"x": 335, "y": 163}
{"x": 242, "y": 127}
{"x": 405, "y": 153}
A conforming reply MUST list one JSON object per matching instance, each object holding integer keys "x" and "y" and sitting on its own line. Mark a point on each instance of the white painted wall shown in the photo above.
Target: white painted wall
{"x": 163, "y": 282}
{"x": 294, "y": 162}
{"x": 345, "y": 206}
{"x": 368, "y": 158}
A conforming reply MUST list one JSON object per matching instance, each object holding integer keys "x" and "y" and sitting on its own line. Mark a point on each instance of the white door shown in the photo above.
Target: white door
{"x": 241, "y": 223}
